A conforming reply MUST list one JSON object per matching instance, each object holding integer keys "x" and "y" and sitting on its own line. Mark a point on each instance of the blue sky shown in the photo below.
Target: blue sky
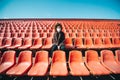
{"x": 98, "y": 9}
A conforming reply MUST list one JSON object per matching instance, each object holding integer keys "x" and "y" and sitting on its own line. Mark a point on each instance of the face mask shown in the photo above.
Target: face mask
{"x": 58, "y": 29}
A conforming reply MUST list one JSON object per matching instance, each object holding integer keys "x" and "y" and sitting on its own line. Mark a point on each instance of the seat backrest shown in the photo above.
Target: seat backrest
{"x": 7, "y": 41}
{"x": 68, "y": 41}
{"x": 78, "y": 41}
{"x": 48, "y": 41}
{"x": 41, "y": 56}
{"x": 75, "y": 56}
{"x": 107, "y": 41}
{"x": 91, "y": 55}
{"x": 117, "y": 52}
{"x": 17, "y": 41}
{"x": 97, "y": 41}
{"x": 37, "y": 41}
{"x": 116, "y": 41}
{"x": 107, "y": 55}
{"x": 58, "y": 56}
{"x": 9, "y": 56}
{"x": 25, "y": 56}
{"x": 27, "y": 41}
{"x": 88, "y": 41}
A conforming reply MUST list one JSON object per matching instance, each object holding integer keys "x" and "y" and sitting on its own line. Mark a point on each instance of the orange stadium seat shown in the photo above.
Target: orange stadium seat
{"x": 76, "y": 64}
{"x": 58, "y": 66}
{"x": 93, "y": 63}
{"x": 6, "y": 42}
{"x": 27, "y": 42}
{"x": 7, "y": 61}
{"x": 23, "y": 65}
{"x": 37, "y": 43}
{"x": 16, "y": 43}
{"x": 108, "y": 60}
{"x": 47, "y": 44}
{"x": 41, "y": 63}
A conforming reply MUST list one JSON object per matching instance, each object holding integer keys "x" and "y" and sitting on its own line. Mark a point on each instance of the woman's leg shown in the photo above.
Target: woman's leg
{"x": 53, "y": 48}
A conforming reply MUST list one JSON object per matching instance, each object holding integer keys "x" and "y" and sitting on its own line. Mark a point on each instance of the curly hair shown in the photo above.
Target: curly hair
{"x": 58, "y": 24}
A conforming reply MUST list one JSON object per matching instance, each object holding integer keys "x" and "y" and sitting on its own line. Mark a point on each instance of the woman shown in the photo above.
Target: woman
{"x": 58, "y": 39}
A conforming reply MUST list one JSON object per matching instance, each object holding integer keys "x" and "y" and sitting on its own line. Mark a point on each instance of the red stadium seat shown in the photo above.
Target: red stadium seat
{"x": 98, "y": 43}
{"x": 41, "y": 63}
{"x": 108, "y": 60}
{"x": 93, "y": 63}
{"x": 68, "y": 43}
{"x": 23, "y": 65}
{"x": 47, "y": 44}
{"x": 88, "y": 43}
{"x": 37, "y": 44}
{"x": 7, "y": 61}
{"x": 6, "y": 42}
{"x": 26, "y": 43}
{"x": 16, "y": 43}
{"x": 107, "y": 43}
{"x": 58, "y": 66}
{"x": 78, "y": 43}
{"x": 76, "y": 64}
{"x": 116, "y": 42}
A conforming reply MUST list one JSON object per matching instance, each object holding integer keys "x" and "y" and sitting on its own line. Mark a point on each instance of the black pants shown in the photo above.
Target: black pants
{"x": 55, "y": 47}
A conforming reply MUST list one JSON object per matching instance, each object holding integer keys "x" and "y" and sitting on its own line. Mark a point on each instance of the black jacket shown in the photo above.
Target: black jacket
{"x": 59, "y": 38}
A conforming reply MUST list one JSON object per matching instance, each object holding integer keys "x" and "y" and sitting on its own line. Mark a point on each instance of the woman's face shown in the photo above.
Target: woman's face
{"x": 58, "y": 29}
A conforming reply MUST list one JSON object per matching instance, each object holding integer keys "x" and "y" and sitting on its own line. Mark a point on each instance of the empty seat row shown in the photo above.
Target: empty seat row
{"x": 79, "y": 66}
{"x": 70, "y": 43}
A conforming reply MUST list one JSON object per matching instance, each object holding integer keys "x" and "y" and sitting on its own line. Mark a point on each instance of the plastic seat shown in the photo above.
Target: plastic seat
{"x": 37, "y": 44}
{"x": 98, "y": 43}
{"x": 40, "y": 66}
{"x": 107, "y": 43}
{"x": 47, "y": 44}
{"x": 58, "y": 65}
{"x": 21, "y": 35}
{"x": 108, "y": 60}
{"x": 86, "y": 34}
{"x": 7, "y": 35}
{"x": 16, "y": 43}
{"x": 80, "y": 34}
{"x": 28, "y": 35}
{"x": 93, "y": 63}
{"x": 43, "y": 35}
{"x": 72, "y": 35}
{"x": 88, "y": 43}
{"x": 68, "y": 43}
{"x": 117, "y": 53}
{"x": 23, "y": 65}
{"x": 14, "y": 35}
{"x": 6, "y": 42}
{"x": 78, "y": 43}
{"x": 35, "y": 35}
{"x": 7, "y": 61}
{"x": 76, "y": 64}
{"x": 116, "y": 42}
{"x": 26, "y": 43}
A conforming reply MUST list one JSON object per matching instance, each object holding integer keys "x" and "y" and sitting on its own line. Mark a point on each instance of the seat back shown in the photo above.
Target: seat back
{"x": 58, "y": 56}
{"x": 27, "y": 41}
{"x": 48, "y": 41}
{"x": 37, "y": 41}
{"x": 107, "y": 55}
{"x": 78, "y": 41}
{"x": 41, "y": 56}
{"x": 97, "y": 41}
{"x": 9, "y": 56}
{"x": 88, "y": 41}
{"x": 75, "y": 56}
{"x": 91, "y": 55}
{"x": 25, "y": 56}
{"x": 17, "y": 41}
{"x": 68, "y": 41}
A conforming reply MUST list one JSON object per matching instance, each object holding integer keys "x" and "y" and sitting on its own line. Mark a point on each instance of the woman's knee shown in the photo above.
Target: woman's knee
{"x": 62, "y": 48}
